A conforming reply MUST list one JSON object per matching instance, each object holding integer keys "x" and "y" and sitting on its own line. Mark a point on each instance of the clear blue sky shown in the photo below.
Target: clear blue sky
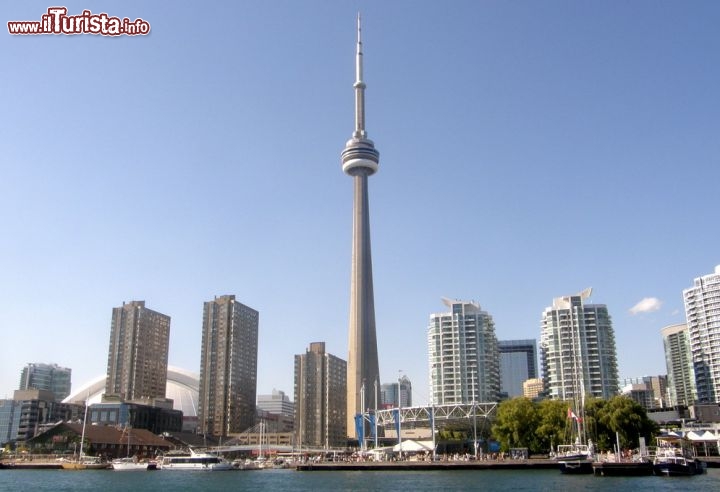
{"x": 528, "y": 150}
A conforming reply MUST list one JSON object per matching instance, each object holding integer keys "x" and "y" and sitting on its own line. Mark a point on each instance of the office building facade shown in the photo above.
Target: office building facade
{"x": 228, "y": 367}
{"x": 533, "y": 388}
{"x": 577, "y": 347}
{"x": 277, "y": 403}
{"x": 463, "y": 355}
{"x": 320, "y": 398}
{"x": 9, "y": 420}
{"x": 49, "y": 377}
{"x": 650, "y": 392}
{"x": 36, "y": 409}
{"x": 518, "y": 363}
{"x": 138, "y": 353}
{"x": 702, "y": 311}
{"x": 396, "y": 394}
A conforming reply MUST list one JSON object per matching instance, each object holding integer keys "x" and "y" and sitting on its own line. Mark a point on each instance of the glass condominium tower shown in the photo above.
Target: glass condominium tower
{"x": 50, "y": 377}
{"x": 577, "y": 347}
{"x": 702, "y": 310}
{"x": 463, "y": 355}
{"x": 680, "y": 370}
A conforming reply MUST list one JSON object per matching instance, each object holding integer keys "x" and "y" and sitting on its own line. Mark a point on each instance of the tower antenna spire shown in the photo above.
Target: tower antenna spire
{"x": 359, "y": 85}
{"x": 360, "y": 152}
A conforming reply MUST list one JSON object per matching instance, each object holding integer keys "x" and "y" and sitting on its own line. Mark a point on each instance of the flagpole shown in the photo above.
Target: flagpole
{"x": 432, "y": 428}
{"x": 361, "y": 437}
{"x": 399, "y": 416}
{"x": 377, "y": 397}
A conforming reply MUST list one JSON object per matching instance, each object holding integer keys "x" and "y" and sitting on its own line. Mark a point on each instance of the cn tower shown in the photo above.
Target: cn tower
{"x": 360, "y": 160}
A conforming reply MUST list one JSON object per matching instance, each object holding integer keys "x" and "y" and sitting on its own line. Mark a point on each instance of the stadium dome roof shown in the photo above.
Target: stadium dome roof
{"x": 182, "y": 388}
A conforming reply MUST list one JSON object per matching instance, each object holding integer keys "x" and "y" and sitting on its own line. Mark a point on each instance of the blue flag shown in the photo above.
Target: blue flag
{"x": 373, "y": 425}
{"x": 396, "y": 416}
{"x": 359, "y": 427}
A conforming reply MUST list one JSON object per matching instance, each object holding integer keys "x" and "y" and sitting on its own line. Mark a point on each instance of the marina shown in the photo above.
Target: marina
{"x": 602, "y": 468}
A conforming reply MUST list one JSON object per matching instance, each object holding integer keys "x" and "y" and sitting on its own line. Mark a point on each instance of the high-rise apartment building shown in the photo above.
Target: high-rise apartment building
{"x": 518, "y": 363}
{"x": 138, "y": 353}
{"x": 680, "y": 370}
{"x": 398, "y": 393}
{"x": 702, "y": 310}
{"x": 320, "y": 398}
{"x": 577, "y": 347}
{"x": 228, "y": 367}
{"x": 463, "y": 355}
{"x": 49, "y": 377}
{"x": 360, "y": 160}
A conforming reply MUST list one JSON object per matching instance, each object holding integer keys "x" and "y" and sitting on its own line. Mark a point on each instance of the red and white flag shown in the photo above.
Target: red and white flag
{"x": 571, "y": 415}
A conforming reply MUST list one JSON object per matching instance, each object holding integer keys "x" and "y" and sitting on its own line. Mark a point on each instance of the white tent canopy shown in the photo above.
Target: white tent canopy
{"x": 706, "y": 436}
{"x": 411, "y": 446}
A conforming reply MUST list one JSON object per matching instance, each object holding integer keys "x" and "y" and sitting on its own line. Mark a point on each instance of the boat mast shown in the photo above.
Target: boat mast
{"x": 82, "y": 436}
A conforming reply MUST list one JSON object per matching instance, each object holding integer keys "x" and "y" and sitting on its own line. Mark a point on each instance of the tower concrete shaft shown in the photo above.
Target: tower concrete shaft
{"x": 360, "y": 160}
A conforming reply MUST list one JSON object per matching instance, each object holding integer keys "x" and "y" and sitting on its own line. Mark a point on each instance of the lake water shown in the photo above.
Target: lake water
{"x": 318, "y": 481}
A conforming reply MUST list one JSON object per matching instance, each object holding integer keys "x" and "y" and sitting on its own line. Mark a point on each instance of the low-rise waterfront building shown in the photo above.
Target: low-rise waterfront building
{"x": 156, "y": 419}
{"x": 100, "y": 440}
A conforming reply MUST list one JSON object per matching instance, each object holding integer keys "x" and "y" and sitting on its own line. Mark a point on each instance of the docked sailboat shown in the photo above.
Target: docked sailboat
{"x": 577, "y": 457}
{"x": 131, "y": 463}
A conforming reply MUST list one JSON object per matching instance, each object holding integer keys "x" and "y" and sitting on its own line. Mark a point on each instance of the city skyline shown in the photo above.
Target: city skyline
{"x": 568, "y": 143}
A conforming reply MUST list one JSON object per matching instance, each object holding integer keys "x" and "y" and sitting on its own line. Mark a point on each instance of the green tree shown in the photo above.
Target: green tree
{"x": 628, "y": 419}
{"x": 595, "y": 427}
{"x": 552, "y": 424}
{"x": 515, "y": 424}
